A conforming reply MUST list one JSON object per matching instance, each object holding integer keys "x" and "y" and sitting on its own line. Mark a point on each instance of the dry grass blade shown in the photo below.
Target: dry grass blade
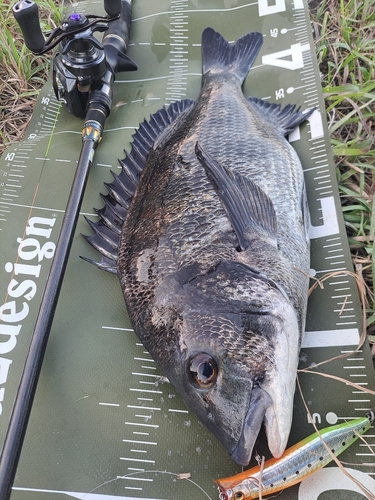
{"x": 339, "y": 379}
{"x": 370, "y": 495}
{"x": 345, "y": 45}
{"x": 319, "y": 283}
{"x": 262, "y": 462}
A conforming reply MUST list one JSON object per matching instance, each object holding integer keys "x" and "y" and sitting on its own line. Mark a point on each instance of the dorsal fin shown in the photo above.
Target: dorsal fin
{"x": 287, "y": 118}
{"x": 121, "y": 190}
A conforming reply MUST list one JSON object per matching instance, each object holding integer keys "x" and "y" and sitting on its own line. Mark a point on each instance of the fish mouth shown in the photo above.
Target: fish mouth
{"x": 259, "y": 402}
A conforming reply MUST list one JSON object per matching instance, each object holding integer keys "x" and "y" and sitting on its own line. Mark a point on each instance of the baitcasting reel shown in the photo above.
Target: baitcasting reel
{"x": 81, "y": 63}
{"x": 84, "y": 72}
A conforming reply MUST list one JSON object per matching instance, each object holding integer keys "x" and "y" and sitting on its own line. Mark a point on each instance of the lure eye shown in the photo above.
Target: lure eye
{"x": 239, "y": 495}
{"x": 202, "y": 370}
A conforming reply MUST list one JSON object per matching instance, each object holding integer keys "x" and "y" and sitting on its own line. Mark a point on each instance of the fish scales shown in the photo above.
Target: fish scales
{"x": 213, "y": 255}
{"x": 248, "y": 134}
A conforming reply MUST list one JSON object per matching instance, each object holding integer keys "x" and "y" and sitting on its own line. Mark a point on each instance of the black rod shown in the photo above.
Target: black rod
{"x": 99, "y": 105}
{"x": 22, "y": 407}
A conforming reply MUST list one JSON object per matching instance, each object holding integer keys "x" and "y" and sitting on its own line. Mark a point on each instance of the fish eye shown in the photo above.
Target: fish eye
{"x": 202, "y": 370}
{"x": 239, "y": 495}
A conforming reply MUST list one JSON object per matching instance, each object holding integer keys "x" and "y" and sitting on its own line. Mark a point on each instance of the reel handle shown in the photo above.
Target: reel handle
{"x": 121, "y": 28}
{"x": 26, "y": 14}
{"x": 116, "y": 39}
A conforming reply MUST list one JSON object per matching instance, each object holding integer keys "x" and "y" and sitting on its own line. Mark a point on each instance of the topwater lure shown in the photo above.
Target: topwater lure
{"x": 297, "y": 463}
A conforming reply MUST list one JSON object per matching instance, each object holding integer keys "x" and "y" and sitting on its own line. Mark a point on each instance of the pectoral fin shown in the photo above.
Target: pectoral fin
{"x": 247, "y": 206}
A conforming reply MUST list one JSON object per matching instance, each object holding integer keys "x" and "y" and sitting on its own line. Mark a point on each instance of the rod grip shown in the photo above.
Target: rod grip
{"x": 26, "y": 14}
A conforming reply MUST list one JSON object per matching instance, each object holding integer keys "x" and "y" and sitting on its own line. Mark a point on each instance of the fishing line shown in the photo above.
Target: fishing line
{"x": 368, "y": 494}
{"x": 150, "y": 472}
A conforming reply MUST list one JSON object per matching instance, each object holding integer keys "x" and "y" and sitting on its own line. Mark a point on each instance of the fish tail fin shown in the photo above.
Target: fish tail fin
{"x": 221, "y": 57}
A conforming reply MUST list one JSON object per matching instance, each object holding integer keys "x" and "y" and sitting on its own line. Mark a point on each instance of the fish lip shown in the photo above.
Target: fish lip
{"x": 259, "y": 402}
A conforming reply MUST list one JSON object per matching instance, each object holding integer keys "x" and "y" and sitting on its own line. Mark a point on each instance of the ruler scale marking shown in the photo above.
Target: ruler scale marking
{"x": 177, "y": 86}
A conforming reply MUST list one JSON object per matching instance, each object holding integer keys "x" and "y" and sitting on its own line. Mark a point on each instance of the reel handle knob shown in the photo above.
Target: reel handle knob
{"x": 27, "y": 15}
{"x": 112, "y": 7}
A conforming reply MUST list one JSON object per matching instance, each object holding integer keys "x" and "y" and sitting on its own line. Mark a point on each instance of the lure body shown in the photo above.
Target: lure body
{"x": 297, "y": 463}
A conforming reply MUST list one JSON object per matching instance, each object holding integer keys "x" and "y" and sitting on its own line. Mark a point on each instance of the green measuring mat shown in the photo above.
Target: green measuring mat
{"x": 105, "y": 424}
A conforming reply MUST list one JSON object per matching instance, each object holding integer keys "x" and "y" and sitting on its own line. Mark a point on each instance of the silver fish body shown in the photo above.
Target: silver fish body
{"x": 212, "y": 250}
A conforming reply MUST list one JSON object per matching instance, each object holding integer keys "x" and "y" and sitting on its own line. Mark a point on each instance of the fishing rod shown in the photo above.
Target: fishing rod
{"x": 83, "y": 73}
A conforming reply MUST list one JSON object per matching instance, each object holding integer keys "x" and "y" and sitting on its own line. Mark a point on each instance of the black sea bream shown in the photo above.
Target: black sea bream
{"x": 207, "y": 229}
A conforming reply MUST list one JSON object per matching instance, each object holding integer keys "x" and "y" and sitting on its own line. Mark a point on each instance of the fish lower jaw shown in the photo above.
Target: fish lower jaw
{"x": 278, "y": 417}
{"x": 278, "y": 422}
{"x": 281, "y": 385}
{"x": 259, "y": 402}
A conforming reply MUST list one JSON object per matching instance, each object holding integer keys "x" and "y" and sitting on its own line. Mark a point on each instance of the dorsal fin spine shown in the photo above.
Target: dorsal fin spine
{"x": 121, "y": 190}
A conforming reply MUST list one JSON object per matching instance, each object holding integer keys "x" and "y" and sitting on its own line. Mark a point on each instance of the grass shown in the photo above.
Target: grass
{"x": 21, "y": 73}
{"x": 345, "y": 47}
